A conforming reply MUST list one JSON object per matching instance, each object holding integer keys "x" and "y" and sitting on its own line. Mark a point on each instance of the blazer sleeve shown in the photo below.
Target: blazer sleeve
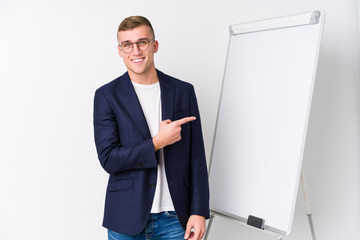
{"x": 114, "y": 157}
{"x": 199, "y": 173}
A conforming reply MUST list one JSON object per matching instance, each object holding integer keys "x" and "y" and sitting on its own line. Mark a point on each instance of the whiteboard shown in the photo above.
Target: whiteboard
{"x": 262, "y": 119}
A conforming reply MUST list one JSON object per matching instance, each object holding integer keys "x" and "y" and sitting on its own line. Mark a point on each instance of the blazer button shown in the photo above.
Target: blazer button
{"x": 141, "y": 165}
{"x": 152, "y": 184}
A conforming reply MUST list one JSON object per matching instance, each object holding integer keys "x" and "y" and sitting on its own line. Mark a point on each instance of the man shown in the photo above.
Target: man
{"x": 148, "y": 138}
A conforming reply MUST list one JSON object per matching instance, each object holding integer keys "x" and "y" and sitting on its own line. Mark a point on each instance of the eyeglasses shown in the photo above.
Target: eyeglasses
{"x": 127, "y": 47}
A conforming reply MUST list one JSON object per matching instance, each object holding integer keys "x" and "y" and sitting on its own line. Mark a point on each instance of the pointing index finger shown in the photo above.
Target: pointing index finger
{"x": 185, "y": 120}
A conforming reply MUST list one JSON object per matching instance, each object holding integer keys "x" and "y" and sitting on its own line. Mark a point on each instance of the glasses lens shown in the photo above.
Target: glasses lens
{"x": 127, "y": 47}
{"x": 143, "y": 44}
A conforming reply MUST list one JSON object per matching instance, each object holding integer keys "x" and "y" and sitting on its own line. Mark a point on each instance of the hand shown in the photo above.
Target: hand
{"x": 197, "y": 224}
{"x": 169, "y": 132}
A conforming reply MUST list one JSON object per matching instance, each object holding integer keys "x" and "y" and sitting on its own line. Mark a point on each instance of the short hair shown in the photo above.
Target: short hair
{"x": 132, "y": 22}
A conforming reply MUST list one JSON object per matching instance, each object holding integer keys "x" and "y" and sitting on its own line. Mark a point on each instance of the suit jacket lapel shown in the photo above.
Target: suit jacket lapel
{"x": 132, "y": 104}
{"x": 167, "y": 101}
{"x": 167, "y": 96}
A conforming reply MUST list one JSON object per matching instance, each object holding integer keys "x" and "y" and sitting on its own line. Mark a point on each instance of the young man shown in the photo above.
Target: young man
{"x": 148, "y": 138}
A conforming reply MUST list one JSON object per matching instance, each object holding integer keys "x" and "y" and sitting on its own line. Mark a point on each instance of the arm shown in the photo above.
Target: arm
{"x": 112, "y": 155}
{"x": 199, "y": 185}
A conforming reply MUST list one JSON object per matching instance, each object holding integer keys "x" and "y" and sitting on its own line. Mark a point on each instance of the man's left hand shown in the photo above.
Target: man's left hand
{"x": 195, "y": 227}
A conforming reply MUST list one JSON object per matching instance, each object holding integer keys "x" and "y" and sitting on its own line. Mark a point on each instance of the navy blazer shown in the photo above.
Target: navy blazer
{"x": 126, "y": 151}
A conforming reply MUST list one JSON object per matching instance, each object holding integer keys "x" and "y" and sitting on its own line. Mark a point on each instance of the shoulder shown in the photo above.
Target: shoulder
{"x": 112, "y": 85}
{"x": 177, "y": 83}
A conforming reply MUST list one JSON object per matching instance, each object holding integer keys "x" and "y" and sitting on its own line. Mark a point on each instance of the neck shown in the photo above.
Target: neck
{"x": 146, "y": 79}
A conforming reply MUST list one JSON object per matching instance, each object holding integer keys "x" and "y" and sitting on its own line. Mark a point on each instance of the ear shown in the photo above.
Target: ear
{"x": 156, "y": 46}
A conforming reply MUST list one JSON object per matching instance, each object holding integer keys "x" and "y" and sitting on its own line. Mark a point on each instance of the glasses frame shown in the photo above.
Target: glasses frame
{"x": 137, "y": 44}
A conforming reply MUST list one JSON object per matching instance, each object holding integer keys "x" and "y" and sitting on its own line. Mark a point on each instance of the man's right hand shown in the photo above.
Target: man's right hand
{"x": 169, "y": 132}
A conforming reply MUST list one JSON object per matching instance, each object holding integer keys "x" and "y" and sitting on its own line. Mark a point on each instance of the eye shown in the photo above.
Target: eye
{"x": 127, "y": 45}
{"x": 143, "y": 43}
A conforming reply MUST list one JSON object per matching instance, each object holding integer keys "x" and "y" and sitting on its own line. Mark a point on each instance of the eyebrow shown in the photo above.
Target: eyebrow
{"x": 128, "y": 41}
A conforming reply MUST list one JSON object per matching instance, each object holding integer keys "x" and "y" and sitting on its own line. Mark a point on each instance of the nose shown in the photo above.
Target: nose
{"x": 136, "y": 48}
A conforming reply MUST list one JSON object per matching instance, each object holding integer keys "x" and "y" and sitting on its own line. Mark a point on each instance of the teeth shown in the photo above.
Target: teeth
{"x": 137, "y": 60}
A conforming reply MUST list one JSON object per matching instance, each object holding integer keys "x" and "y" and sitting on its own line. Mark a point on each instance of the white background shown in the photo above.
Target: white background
{"x": 54, "y": 54}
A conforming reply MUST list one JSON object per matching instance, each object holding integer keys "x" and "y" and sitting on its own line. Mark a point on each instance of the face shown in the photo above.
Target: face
{"x": 138, "y": 62}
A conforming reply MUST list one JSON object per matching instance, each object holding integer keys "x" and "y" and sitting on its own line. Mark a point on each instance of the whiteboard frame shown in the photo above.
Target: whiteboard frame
{"x": 314, "y": 17}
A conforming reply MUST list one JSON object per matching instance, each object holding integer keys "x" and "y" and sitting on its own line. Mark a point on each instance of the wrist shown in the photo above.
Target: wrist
{"x": 156, "y": 143}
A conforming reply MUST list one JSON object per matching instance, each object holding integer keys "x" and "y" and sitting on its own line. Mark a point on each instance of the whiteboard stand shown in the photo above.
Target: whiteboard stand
{"x": 209, "y": 225}
{"x": 307, "y": 204}
{"x": 278, "y": 236}
{"x": 214, "y": 213}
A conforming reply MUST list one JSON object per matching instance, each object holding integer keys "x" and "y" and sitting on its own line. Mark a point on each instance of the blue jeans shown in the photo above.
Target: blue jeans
{"x": 160, "y": 226}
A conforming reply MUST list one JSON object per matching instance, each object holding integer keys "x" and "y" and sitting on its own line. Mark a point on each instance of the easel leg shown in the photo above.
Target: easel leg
{"x": 307, "y": 205}
{"x": 209, "y": 226}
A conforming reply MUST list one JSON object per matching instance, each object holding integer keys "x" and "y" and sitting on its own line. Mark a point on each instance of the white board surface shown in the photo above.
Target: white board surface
{"x": 262, "y": 120}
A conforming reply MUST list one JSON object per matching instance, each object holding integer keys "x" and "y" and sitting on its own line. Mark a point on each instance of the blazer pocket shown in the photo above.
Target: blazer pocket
{"x": 120, "y": 185}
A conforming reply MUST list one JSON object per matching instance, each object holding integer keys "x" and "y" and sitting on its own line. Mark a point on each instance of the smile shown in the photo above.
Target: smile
{"x": 138, "y": 60}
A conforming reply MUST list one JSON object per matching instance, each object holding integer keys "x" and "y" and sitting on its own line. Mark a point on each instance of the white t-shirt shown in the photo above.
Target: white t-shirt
{"x": 150, "y": 100}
